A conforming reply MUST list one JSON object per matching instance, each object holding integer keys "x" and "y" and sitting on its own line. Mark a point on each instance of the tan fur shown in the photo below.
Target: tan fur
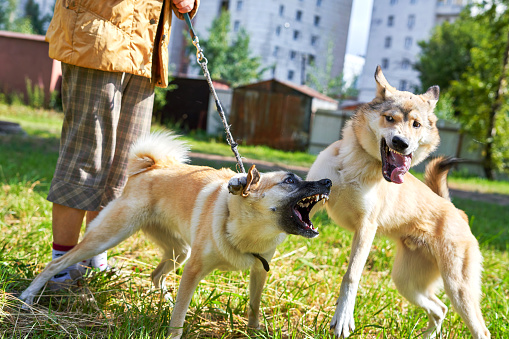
{"x": 216, "y": 218}
{"x": 434, "y": 241}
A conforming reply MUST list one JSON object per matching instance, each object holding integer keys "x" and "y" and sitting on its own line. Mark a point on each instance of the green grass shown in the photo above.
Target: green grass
{"x": 298, "y": 300}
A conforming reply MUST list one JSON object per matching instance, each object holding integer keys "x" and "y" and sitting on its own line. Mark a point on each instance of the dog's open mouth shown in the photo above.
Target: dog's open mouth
{"x": 394, "y": 164}
{"x": 303, "y": 207}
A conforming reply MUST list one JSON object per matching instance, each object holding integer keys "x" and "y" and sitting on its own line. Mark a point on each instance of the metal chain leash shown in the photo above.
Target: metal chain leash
{"x": 202, "y": 61}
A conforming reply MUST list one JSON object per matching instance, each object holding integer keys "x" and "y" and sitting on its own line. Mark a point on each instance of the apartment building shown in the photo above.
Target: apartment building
{"x": 396, "y": 28}
{"x": 288, "y": 35}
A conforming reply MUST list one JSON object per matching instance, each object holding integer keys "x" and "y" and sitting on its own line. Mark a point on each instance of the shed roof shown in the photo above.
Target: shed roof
{"x": 15, "y": 35}
{"x": 308, "y": 91}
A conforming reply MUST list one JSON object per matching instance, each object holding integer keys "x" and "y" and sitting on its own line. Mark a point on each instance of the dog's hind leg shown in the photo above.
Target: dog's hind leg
{"x": 461, "y": 272}
{"x": 416, "y": 277}
{"x": 111, "y": 226}
{"x": 175, "y": 253}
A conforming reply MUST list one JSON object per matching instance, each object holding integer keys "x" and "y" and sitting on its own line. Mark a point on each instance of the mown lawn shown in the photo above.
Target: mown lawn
{"x": 299, "y": 297}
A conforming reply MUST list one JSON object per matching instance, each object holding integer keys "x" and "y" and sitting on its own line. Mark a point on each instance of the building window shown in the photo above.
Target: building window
{"x": 275, "y": 52}
{"x": 388, "y": 42}
{"x": 390, "y": 21}
{"x": 385, "y": 63}
{"x": 281, "y": 10}
{"x": 291, "y": 74}
{"x": 314, "y": 40}
{"x": 405, "y": 64}
{"x": 239, "y": 5}
{"x": 278, "y": 30}
{"x": 298, "y": 16}
{"x": 411, "y": 21}
{"x": 316, "y": 21}
{"x": 408, "y": 42}
{"x": 311, "y": 59}
{"x": 403, "y": 85}
{"x": 318, "y": 3}
{"x": 293, "y": 55}
{"x": 296, "y": 35}
{"x": 236, "y": 26}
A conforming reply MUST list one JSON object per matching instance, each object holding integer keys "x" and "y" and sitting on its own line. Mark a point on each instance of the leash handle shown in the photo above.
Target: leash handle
{"x": 202, "y": 61}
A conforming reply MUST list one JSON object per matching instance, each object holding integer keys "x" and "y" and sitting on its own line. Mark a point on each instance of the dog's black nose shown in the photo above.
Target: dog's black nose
{"x": 399, "y": 143}
{"x": 326, "y": 182}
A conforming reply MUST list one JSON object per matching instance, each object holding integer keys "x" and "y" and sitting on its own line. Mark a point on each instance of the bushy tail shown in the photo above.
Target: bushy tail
{"x": 435, "y": 175}
{"x": 157, "y": 150}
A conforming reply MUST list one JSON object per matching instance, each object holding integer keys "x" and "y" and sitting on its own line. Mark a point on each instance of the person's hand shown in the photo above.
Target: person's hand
{"x": 184, "y": 6}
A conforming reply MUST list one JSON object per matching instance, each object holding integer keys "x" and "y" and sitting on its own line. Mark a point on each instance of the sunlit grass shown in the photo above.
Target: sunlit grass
{"x": 298, "y": 300}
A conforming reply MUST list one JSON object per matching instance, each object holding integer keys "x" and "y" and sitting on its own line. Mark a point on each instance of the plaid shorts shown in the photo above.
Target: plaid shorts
{"x": 105, "y": 112}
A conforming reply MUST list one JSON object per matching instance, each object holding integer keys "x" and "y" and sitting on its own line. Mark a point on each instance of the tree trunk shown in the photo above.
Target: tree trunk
{"x": 495, "y": 108}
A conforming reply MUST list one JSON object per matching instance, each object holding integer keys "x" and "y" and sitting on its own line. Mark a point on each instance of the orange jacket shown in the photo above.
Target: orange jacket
{"x": 114, "y": 35}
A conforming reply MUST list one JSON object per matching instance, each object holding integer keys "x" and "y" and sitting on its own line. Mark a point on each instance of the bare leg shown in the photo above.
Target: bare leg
{"x": 66, "y": 224}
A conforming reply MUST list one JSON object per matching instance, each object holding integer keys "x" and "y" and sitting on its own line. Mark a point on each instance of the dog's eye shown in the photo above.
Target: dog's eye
{"x": 417, "y": 124}
{"x": 389, "y": 118}
{"x": 289, "y": 180}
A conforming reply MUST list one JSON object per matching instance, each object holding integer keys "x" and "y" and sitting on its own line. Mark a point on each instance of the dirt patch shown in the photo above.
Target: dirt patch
{"x": 491, "y": 198}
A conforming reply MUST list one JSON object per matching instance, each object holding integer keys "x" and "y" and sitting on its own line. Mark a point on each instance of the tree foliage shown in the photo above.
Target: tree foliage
{"x": 321, "y": 78}
{"x": 467, "y": 59}
{"x": 229, "y": 57}
{"x": 29, "y": 22}
{"x": 37, "y": 21}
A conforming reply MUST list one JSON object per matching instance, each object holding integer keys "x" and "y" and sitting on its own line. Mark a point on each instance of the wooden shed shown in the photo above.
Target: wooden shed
{"x": 25, "y": 57}
{"x": 276, "y": 114}
{"x": 188, "y": 105}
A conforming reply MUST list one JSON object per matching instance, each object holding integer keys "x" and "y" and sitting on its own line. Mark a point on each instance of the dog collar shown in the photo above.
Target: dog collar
{"x": 265, "y": 264}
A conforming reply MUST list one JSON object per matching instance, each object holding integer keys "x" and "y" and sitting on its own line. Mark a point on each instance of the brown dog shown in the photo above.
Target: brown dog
{"x": 373, "y": 193}
{"x": 217, "y": 218}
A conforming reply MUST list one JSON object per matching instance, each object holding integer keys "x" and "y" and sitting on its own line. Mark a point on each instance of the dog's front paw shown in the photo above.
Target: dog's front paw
{"x": 27, "y": 298}
{"x": 175, "y": 333}
{"x": 253, "y": 323}
{"x": 342, "y": 322}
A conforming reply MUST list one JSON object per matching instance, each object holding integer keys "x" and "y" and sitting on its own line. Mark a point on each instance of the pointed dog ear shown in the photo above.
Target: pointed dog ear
{"x": 241, "y": 184}
{"x": 383, "y": 89}
{"x": 432, "y": 95}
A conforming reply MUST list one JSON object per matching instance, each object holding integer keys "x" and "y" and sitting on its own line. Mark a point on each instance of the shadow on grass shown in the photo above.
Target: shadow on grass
{"x": 29, "y": 159}
{"x": 487, "y": 221}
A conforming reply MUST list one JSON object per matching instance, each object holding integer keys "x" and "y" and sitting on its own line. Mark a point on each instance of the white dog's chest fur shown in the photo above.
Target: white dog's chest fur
{"x": 353, "y": 202}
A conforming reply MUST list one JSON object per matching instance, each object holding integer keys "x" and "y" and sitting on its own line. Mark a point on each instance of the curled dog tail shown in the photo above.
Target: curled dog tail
{"x": 435, "y": 175}
{"x": 156, "y": 150}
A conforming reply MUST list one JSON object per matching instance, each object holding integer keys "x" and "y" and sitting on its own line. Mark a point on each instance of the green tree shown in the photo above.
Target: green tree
{"x": 11, "y": 20}
{"x": 33, "y": 14}
{"x": 229, "y": 59}
{"x": 469, "y": 59}
{"x": 321, "y": 78}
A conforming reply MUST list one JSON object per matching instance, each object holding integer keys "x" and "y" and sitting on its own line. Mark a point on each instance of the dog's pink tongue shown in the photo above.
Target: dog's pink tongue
{"x": 402, "y": 165}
